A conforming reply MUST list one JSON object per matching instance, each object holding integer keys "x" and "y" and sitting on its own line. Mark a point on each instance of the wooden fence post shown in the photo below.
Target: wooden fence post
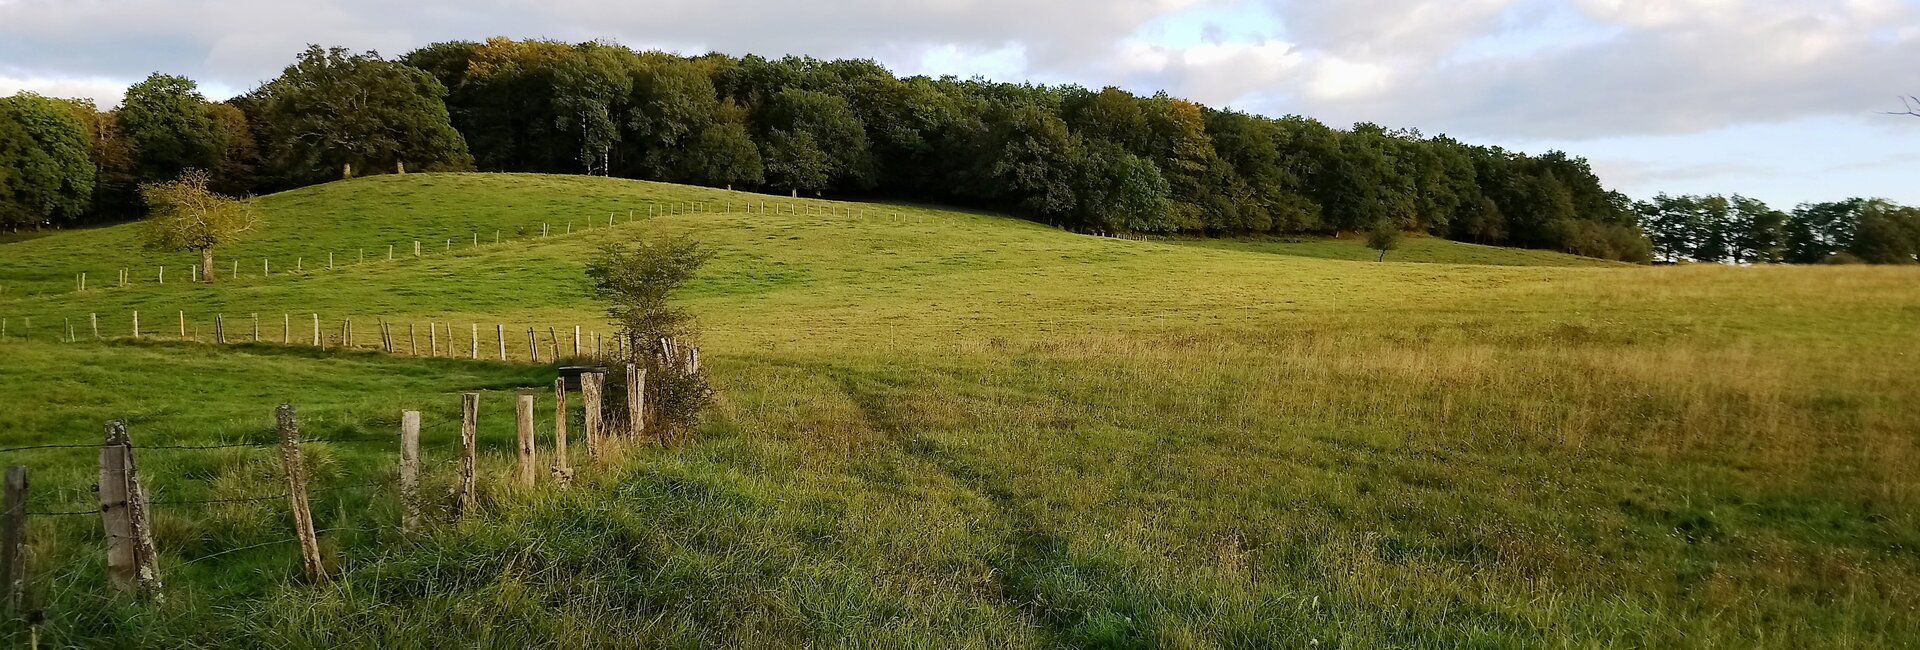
{"x": 296, "y": 473}
{"x": 562, "y": 470}
{"x": 316, "y": 330}
{"x": 433, "y": 339}
{"x": 94, "y": 318}
{"x": 183, "y": 324}
{"x": 256, "y": 327}
{"x": 286, "y": 328}
{"x": 576, "y": 341}
{"x": 136, "y": 324}
{"x": 533, "y": 346}
{"x": 123, "y": 513}
{"x": 469, "y": 422}
{"x": 13, "y": 541}
{"x": 473, "y": 347}
{"x": 590, "y": 396}
{"x": 636, "y": 401}
{"x": 500, "y": 335}
{"x": 523, "y": 412}
{"x": 219, "y": 328}
{"x": 410, "y": 471}
{"x": 413, "y": 344}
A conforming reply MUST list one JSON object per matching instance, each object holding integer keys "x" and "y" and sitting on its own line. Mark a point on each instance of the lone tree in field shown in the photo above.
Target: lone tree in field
{"x": 188, "y": 216}
{"x": 1383, "y": 238}
{"x": 636, "y": 282}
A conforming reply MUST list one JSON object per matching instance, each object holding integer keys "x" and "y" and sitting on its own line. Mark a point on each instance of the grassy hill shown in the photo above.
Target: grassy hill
{"x": 947, "y": 429}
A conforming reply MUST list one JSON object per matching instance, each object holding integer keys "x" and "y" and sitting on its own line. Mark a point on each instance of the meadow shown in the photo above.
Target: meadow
{"x": 948, "y": 429}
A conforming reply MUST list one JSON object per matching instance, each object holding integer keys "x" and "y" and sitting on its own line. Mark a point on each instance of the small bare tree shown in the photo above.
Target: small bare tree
{"x": 188, "y": 216}
{"x": 1912, "y": 105}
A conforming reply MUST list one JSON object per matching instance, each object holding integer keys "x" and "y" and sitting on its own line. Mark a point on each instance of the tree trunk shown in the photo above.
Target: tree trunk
{"x": 206, "y": 264}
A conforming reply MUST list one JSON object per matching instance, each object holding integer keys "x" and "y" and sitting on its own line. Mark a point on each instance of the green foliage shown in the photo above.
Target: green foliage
{"x": 45, "y": 175}
{"x": 637, "y": 283}
{"x": 1121, "y": 192}
{"x": 823, "y": 122}
{"x": 1383, "y": 237}
{"x": 183, "y": 214}
{"x": 332, "y": 108}
{"x": 167, "y": 123}
{"x": 723, "y": 154}
{"x": 1744, "y": 230}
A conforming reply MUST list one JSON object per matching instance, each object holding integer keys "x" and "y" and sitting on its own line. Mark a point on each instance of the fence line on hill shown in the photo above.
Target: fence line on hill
{"x": 126, "y": 277}
{"x": 126, "y": 504}
{"x": 502, "y": 345}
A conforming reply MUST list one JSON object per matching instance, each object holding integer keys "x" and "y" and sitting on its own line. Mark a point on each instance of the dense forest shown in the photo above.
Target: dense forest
{"x": 1097, "y": 161}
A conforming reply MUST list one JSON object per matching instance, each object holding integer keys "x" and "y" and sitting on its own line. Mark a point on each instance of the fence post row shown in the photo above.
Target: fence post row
{"x": 123, "y": 514}
{"x": 296, "y": 472}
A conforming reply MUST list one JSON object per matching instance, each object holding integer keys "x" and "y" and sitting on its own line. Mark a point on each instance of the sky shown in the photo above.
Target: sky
{"x": 1781, "y": 100}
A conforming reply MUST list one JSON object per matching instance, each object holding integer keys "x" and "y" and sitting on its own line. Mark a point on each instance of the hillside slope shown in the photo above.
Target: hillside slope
{"x": 946, "y": 429}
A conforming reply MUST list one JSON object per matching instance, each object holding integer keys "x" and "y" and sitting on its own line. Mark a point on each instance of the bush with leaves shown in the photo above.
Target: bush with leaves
{"x": 636, "y": 281}
{"x": 188, "y": 216}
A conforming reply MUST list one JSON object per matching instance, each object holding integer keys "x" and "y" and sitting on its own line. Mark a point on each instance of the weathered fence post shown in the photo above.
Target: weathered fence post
{"x": 500, "y": 335}
{"x": 576, "y": 341}
{"x": 469, "y": 422}
{"x": 523, "y": 412}
{"x": 433, "y": 339}
{"x": 562, "y": 470}
{"x": 410, "y": 471}
{"x": 473, "y": 349}
{"x": 219, "y": 328}
{"x": 183, "y": 324}
{"x": 123, "y": 513}
{"x": 413, "y": 344}
{"x": 136, "y": 323}
{"x": 13, "y": 541}
{"x": 533, "y": 347}
{"x": 256, "y": 327}
{"x": 286, "y": 328}
{"x": 316, "y": 330}
{"x": 590, "y": 407}
{"x": 296, "y": 473}
{"x": 636, "y": 401}
{"x": 94, "y": 318}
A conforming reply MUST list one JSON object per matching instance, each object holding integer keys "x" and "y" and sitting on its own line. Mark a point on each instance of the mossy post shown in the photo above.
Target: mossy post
{"x": 636, "y": 401}
{"x": 410, "y": 471}
{"x": 13, "y": 541}
{"x": 523, "y": 419}
{"x": 590, "y": 406}
{"x": 469, "y": 424}
{"x": 123, "y": 513}
{"x": 294, "y": 468}
{"x": 562, "y": 469}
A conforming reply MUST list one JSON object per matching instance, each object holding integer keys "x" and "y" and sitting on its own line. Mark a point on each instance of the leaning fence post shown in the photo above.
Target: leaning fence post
{"x": 590, "y": 405}
{"x": 469, "y": 421}
{"x": 296, "y": 473}
{"x": 13, "y": 540}
{"x": 636, "y": 402}
{"x": 533, "y": 347}
{"x": 562, "y": 470}
{"x": 410, "y": 471}
{"x": 123, "y": 513}
{"x": 523, "y": 412}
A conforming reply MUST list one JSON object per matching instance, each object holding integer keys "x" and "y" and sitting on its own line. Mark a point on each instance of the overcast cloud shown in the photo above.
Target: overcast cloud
{"x": 1675, "y": 79}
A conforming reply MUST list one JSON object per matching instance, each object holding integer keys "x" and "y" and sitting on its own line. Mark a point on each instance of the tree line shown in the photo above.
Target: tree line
{"x": 1090, "y": 160}
{"x": 1742, "y": 230}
